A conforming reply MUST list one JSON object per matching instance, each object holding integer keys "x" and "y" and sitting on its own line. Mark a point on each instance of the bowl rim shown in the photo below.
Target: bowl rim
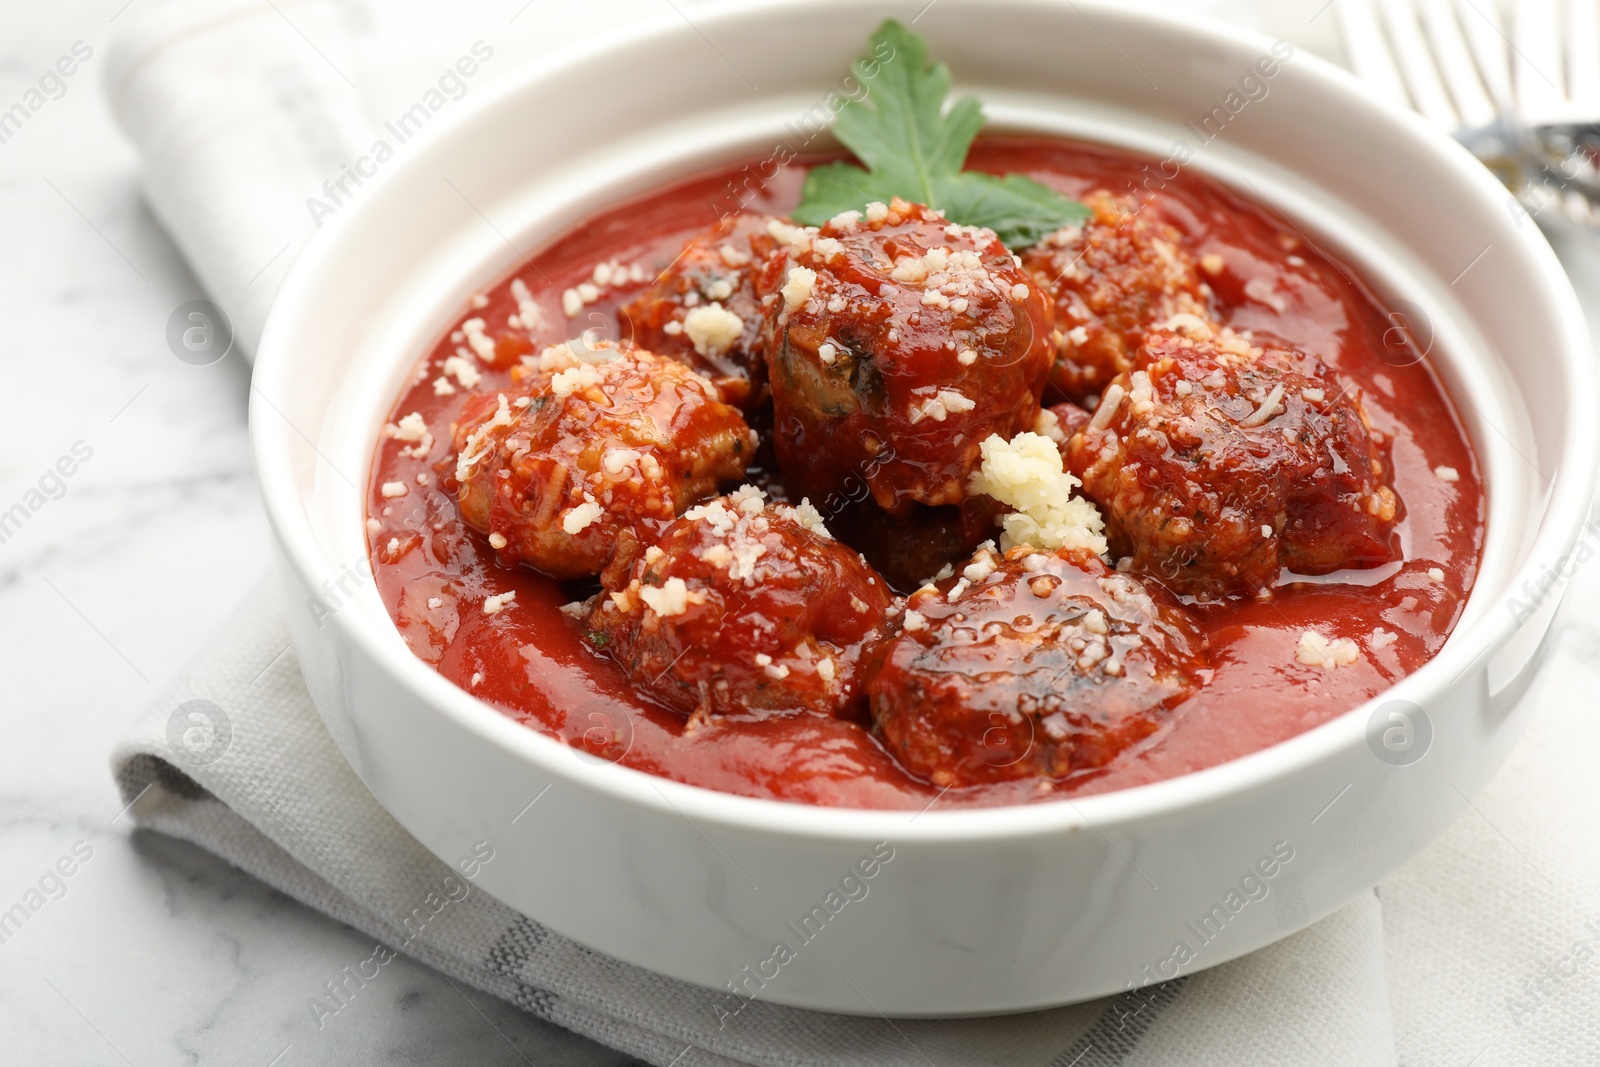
{"x": 1557, "y": 531}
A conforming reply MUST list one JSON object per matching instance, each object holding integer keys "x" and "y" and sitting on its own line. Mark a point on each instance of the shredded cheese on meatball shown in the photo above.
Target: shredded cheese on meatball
{"x": 579, "y": 518}
{"x": 478, "y": 444}
{"x": 668, "y": 599}
{"x": 806, "y": 514}
{"x": 712, "y": 329}
{"x": 1027, "y": 475}
{"x": 797, "y": 290}
{"x": 944, "y": 403}
{"x": 573, "y": 379}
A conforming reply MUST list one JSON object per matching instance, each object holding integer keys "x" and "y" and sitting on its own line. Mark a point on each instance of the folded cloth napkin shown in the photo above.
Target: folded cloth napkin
{"x": 251, "y": 115}
{"x": 270, "y": 793}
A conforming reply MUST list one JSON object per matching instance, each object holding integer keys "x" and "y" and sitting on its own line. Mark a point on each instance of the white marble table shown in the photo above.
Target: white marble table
{"x": 157, "y": 953}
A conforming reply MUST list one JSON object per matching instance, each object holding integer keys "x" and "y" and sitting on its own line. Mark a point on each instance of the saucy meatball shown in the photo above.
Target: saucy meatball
{"x": 743, "y": 606}
{"x": 1216, "y": 464}
{"x": 1111, "y": 280}
{"x": 703, "y": 309}
{"x": 908, "y": 550}
{"x": 1030, "y": 664}
{"x": 896, "y": 341}
{"x": 598, "y": 447}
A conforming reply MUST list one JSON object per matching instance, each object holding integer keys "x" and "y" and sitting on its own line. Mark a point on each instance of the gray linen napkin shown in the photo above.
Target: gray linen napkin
{"x": 234, "y": 758}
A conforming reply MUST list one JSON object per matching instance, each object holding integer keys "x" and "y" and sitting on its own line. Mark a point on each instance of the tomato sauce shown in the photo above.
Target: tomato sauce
{"x": 530, "y": 661}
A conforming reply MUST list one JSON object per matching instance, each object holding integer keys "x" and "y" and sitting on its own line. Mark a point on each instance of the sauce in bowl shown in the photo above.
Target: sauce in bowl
{"x": 534, "y": 662}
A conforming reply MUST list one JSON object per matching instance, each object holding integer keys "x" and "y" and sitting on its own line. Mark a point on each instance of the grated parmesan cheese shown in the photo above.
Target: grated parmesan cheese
{"x": 618, "y": 461}
{"x": 1447, "y": 474}
{"x": 829, "y": 248}
{"x": 393, "y": 489}
{"x": 529, "y": 313}
{"x": 1315, "y": 650}
{"x": 797, "y": 290}
{"x": 940, "y": 406}
{"x": 581, "y": 517}
{"x": 1107, "y": 410}
{"x": 1270, "y": 408}
{"x": 749, "y": 499}
{"x": 572, "y": 379}
{"x": 670, "y": 598}
{"x": 712, "y": 329}
{"x": 414, "y": 429}
{"x": 465, "y": 372}
{"x": 1049, "y": 425}
{"x": 715, "y": 513}
{"x": 808, "y": 516}
{"x": 1026, "y": 473}
{"x": 798, "y": 238}
{"x": 478, "y": 337}
{"x": 744, "y": 554}
{"x": 477, "y": 445}
{"x": 493, "y": 604}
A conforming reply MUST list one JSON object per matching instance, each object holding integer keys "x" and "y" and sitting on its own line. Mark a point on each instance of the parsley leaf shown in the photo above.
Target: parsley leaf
{"x": 913, "y": 148}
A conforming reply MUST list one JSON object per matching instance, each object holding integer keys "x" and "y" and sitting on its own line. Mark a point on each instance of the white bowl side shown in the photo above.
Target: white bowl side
{"x": 1046, "y": 903}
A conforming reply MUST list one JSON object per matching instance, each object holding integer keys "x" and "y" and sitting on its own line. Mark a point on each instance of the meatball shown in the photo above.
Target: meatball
{"x": 597, "y": 448}
{"x": 1216, "y": 464}
{"x": 911, "y": 548}
{"x": 703, "y": 309}
{"x": 1111, "y": 280}
{"x": 895, "y": 342}
{"x": 743, "y": 606}
{"x": 1031, "y": 664}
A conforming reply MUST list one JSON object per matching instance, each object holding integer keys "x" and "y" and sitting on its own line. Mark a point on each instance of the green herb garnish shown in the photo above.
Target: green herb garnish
{"x": 915, "y": 150}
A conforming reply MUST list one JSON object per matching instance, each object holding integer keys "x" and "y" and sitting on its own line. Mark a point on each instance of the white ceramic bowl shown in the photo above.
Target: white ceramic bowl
{"x": 979, "y": 910}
